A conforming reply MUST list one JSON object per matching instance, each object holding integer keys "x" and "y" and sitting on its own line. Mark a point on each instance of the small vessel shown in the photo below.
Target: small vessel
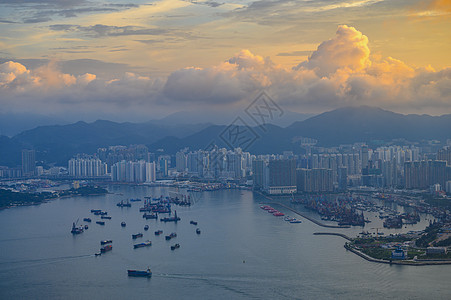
{"x": 158, "y": 232}
{"x": 136, "y": 273}
{"x": 86, "y": 227}
{"x": 293, "y": 221}
{"x": 105, "y": 217}
{"x": 176, "y": 246}
{"x": 145, "y": 244}
{"x": 193, "y": 222}
{"x": 150, "y": 216}
{"x": 106, "y": 248}
{"x": 105, "y": 242}
{"x": 172, "y": 235}
{"x": 95, "y": 210}
{"x": 87, "y": 220}
{"x": 137, "y": 235}
{"x": 76, "y": 230}
{"x": 198, "y": 231}
{"x": 123, "y": 224}
{"x": 278, "y": 214}
{"x": 146, "y": 227}
{"x": 98, "y": 254}
{"x": 135, "y": 200}
{"x": 124, "y": 204}
{"x": 171, "y": 219}
{"x": 100, "y": 222}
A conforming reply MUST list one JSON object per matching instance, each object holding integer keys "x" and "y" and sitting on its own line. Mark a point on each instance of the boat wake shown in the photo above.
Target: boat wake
{"x": 11, "y": 265}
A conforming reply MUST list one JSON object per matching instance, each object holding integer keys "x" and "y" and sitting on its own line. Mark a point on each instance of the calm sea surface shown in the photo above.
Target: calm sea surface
{"x": 242, "y": 253}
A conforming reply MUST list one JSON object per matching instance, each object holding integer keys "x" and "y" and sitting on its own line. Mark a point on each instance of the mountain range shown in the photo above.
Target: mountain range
{"x": 58, "y": 143}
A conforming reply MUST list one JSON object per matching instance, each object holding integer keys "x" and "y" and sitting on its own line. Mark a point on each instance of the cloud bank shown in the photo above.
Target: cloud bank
{"x": 340, "y": 72}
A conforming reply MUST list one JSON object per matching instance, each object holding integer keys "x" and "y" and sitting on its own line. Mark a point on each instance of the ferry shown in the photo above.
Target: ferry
{"x": 105, "y": 242}
{"x": 136, "y": 273}
{"x": 106, "y": 248}
{"x": 138, "y": 235}
{"x": 145, "y": 244}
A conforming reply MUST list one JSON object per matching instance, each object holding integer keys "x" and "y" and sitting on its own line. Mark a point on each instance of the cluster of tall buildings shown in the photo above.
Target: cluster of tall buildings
{"x": 133, "y": 171}
{"x": 86, "y": 166}
{"x": 216, "y": 163}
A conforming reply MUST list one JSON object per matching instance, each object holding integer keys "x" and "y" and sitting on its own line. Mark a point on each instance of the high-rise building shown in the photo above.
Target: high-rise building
{"x": 314, "y": 180}
{"x": 281, "y": 176}
{"x": 423, "y": 174}
{"x": 28, "y": 163}
{"x": 258, "y": 173}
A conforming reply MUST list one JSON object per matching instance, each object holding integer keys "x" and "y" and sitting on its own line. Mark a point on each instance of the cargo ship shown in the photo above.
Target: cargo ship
{"x": 145, "y": 244}
{"x": 136, "y": 273}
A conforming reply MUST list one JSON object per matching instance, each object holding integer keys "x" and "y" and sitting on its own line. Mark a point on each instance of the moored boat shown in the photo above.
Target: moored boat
{"x": 145, "y": 244}
{"x": 198, "y": 231}
{"x": 176, "y": 246}
{"x": 137, "y": 235}
{"x": 87, "y": 220}
{"x": 123, "y": 224}
{"x": 193, "y": 222}
{"x": 105, "y": 217}
{"x": 76, "y": 230}
{"x": 104, "y": 242}
{"x": 293, "y": 221}
{"x": 100, "y": 222}
{"x": 158, "y": 232}
{"x": 146, "y": 227}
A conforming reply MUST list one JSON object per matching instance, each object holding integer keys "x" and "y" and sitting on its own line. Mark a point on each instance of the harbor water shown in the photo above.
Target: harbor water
{"x": 242, "y": 252}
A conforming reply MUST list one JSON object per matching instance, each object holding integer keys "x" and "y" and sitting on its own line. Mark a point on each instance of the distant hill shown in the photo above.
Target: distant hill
{"x": 341, "y": 126}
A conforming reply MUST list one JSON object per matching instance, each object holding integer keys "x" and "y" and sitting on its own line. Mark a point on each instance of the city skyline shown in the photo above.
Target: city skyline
{"x": 84, "y": 60}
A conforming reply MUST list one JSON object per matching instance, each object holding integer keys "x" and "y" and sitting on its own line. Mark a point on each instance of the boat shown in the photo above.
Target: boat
{"x": 136, "y": 273}
{"x": 135, "y": 200}
{"x": 172, "y": 235}
{"x": 106, "y": 248}
{"x": 176, "y": 246}
{"x": 104, "y": 242}
{"x": 87, "y": 220}
{"x": 150, "y": 216}
{"x": 294, "y": 221}
{"x": 105, "y": 217}
{"x": 100, "y": 222}
{"x": 123, "y": 224}
{"x": 124, "y": 204}
{"x": 193, "y": 222}
{"x": 278, "y": 214}
{"x": 171, "y": 219}
{"x": 95, "y": 210}
{"x": 98, "y": 254}
{"x": 158, "y": 232}
{"x": 198, "y": 231}
{"x": 138, "y": 235}
{"x": 145, "y": 244}
{"x": 86, "y": 227}
{"x": 76, "y": 230}
{"x": 146, "y": 227}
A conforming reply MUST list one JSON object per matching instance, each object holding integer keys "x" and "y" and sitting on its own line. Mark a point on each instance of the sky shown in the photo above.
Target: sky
{"x": 140, "y": 60}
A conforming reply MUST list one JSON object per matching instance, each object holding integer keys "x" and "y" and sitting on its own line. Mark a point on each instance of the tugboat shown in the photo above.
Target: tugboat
{"x": 158, "y": 232}
{"x": 176, "y": 246}
{"x": 138, "y": 235}
{"x": 146, "y": 227}
{"x": 123, "y": 224}
{"x": 106, "y": 248}
{"x": 198, "y": 231}
{"x": 145, "y": 244}
{"x": 136, "y": 273}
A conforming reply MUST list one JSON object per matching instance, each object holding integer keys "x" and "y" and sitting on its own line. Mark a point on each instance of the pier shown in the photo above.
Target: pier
{"x": 308, "y": 218}
{"x": 333, "y": 233}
